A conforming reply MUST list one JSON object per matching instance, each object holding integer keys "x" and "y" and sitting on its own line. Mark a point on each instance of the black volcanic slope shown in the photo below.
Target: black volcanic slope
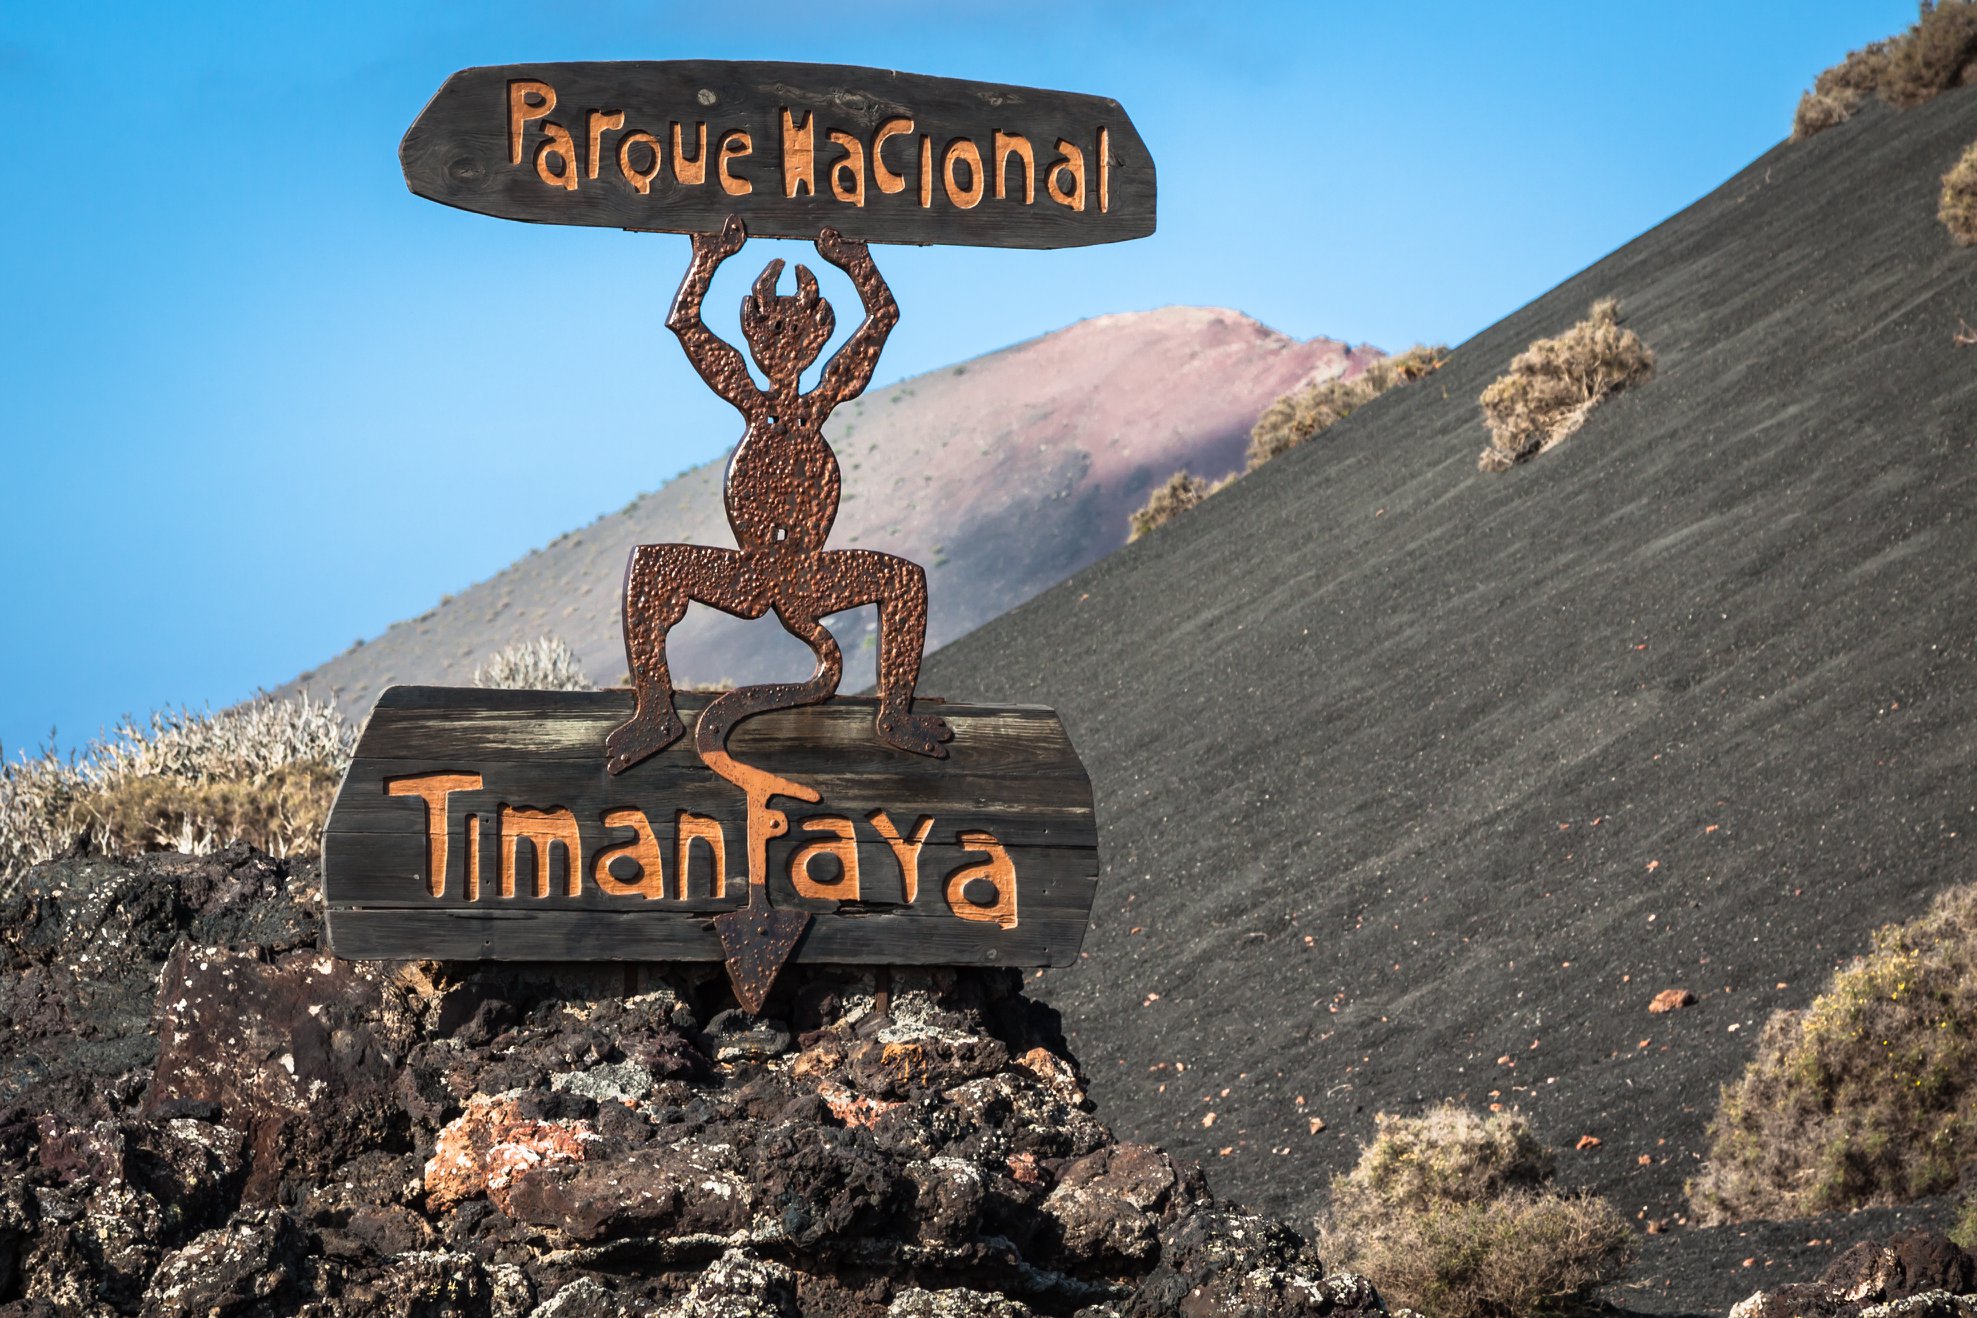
{"x": 1417, "y": 783}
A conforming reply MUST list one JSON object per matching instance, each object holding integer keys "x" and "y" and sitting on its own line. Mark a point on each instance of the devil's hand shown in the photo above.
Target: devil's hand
{"x": 720, "y": 246}
{"x": 836, "y": 248}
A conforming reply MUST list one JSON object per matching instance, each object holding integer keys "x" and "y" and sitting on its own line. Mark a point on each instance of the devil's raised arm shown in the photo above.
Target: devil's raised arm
{"x": 720, "y": 364}
{"x": 850, "y": 368}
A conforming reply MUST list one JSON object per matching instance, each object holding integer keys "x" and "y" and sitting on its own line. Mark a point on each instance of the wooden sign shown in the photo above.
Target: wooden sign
{"x": 792, "y": 824}
{"x": 679, "y": 145}
{"x": 484, "y": 824}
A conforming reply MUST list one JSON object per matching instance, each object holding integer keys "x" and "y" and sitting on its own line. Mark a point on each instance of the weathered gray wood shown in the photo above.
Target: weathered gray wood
{"x": 1011, "y": 774}
{"x": 476, "y": 146}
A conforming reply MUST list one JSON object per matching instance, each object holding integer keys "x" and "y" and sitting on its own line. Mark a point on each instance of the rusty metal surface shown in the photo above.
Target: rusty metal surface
{"x": 781, "y": 493}
{"x": 758, "y": 940}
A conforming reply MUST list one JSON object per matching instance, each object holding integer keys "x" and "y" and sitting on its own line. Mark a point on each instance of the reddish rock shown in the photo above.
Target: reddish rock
{"x": 1671, "y": 1000}
{"x": 486, "y": 1148}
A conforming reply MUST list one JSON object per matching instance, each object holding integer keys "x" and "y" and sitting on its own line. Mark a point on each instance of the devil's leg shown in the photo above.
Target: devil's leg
{"x": 660, "y": 581}
{"x": 847, "y": 578}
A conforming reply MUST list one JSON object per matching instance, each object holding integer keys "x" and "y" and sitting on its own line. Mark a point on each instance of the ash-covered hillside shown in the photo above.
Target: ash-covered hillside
{"x": 1001, "y": 476}
{"x": 1417, "y": 782}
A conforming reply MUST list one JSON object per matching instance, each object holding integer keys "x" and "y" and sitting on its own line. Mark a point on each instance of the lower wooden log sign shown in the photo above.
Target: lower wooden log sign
{"x": 484, "y": 824}
{"x": 554, "y": 825}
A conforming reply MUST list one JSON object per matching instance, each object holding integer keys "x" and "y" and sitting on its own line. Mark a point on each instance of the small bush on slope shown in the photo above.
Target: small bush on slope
{"x": 544, "y": 664}
{"x": 1301, "y": 415}
{"x": 1553, "y": 384}
{"x": 1937, "y": 53}
{"x": 1182, "y": 491}
{"x": 1869, "y": 1096}
{"x": 1452, "y": 1213}
{"x": 263, "y": 772}
{"x": 1291, "y": 420}
{"x": 1958, "y": 209}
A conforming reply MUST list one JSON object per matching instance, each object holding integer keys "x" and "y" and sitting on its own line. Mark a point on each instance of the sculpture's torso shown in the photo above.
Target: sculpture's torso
{"x": 783, "y": 482}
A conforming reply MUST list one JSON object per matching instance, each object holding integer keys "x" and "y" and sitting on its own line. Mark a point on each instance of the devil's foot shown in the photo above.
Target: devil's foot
{"x": 922, "y": 734}
{"x": 641, "y": 738}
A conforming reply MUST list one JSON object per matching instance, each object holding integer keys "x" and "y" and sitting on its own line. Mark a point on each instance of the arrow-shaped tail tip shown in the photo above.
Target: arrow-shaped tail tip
{"x": 757, "y": 941}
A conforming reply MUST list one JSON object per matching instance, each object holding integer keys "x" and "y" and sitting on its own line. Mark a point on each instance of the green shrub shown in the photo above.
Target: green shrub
{"x": 1302, "y": 414}
{"x": 1937, "y": 53}
{"x": 262, "y": 772}
{"x": 1182, "y": 491}
{"x": 544, "y": 664}
{"x": 1958, "y": 209}
{"x": 1964, "y": 1233}
{"x": 1452, "y": 1213}
{"x": 1555, "y": 383}
{"x": 1868, "y": 1096}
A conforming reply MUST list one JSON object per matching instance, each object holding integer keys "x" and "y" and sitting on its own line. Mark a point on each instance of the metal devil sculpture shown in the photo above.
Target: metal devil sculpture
{"x": 451, "y": 786}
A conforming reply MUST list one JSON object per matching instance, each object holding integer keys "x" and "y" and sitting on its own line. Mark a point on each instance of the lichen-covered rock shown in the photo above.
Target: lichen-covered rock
{"x": 301, "y": 1053}
{"x": 334, "y": 1140}
{"x": 81, "y": 946}
{"x": 739, "y": 1285}
{"x": 1231, "y": 1264}
{"x": 585, "y": 1297}
{"x": 229, "y": 1270}
{"x": 960, "y": 1302}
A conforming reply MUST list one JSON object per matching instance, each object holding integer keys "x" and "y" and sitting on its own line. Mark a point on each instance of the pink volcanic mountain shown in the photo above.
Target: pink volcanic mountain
{"x": 1001, "y": 476}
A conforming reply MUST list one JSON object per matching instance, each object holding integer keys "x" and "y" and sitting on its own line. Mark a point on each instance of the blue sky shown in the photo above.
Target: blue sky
{"x": 261, "y": 401}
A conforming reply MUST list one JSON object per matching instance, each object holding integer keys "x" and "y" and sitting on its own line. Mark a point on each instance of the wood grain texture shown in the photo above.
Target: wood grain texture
{"x": 676, "y": 146}
{"x": 1012, "y": 776}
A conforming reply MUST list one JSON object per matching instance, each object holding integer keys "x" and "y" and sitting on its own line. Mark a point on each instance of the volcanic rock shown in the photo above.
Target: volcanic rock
{"x": 335, "y": 1139}
{"x": 1912, "y": 1274}
{"x": 1671, "y": 1000}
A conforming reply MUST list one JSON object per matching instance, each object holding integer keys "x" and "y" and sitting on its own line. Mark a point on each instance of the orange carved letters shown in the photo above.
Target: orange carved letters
{"x": 842, "y": 844}
{"x": 998, "y": 872}
{"x": 643, "y": 850}
{"x": 542, "y": 828}
{"x": 905, "y": 850}
{"x": 433, "y": 789}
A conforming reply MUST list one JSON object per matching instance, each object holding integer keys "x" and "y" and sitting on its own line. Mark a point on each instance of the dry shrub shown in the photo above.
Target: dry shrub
{"x": 1868, "y": 1096}
{"x": 544, "y": 664}
{"x": 1302, "y": 414}
{"x": 1958, "y": 209}
{"x": 38, "y": 818}
{"x": 282, "y": 813}
{"x": 263, "y": 772}
{"x": 1182, "y": 491}
{"x": 1554, "y": 384}
{"x": 1452, "y": 1213}
{"x": 1937, "y": 53}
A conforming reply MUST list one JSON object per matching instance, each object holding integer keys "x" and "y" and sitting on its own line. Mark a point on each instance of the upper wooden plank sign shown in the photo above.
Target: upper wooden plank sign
{"x": 677, "y": 146}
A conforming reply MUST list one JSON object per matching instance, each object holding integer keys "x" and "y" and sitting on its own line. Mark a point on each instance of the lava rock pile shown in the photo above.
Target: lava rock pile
{"x": 204, "y": 1113}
